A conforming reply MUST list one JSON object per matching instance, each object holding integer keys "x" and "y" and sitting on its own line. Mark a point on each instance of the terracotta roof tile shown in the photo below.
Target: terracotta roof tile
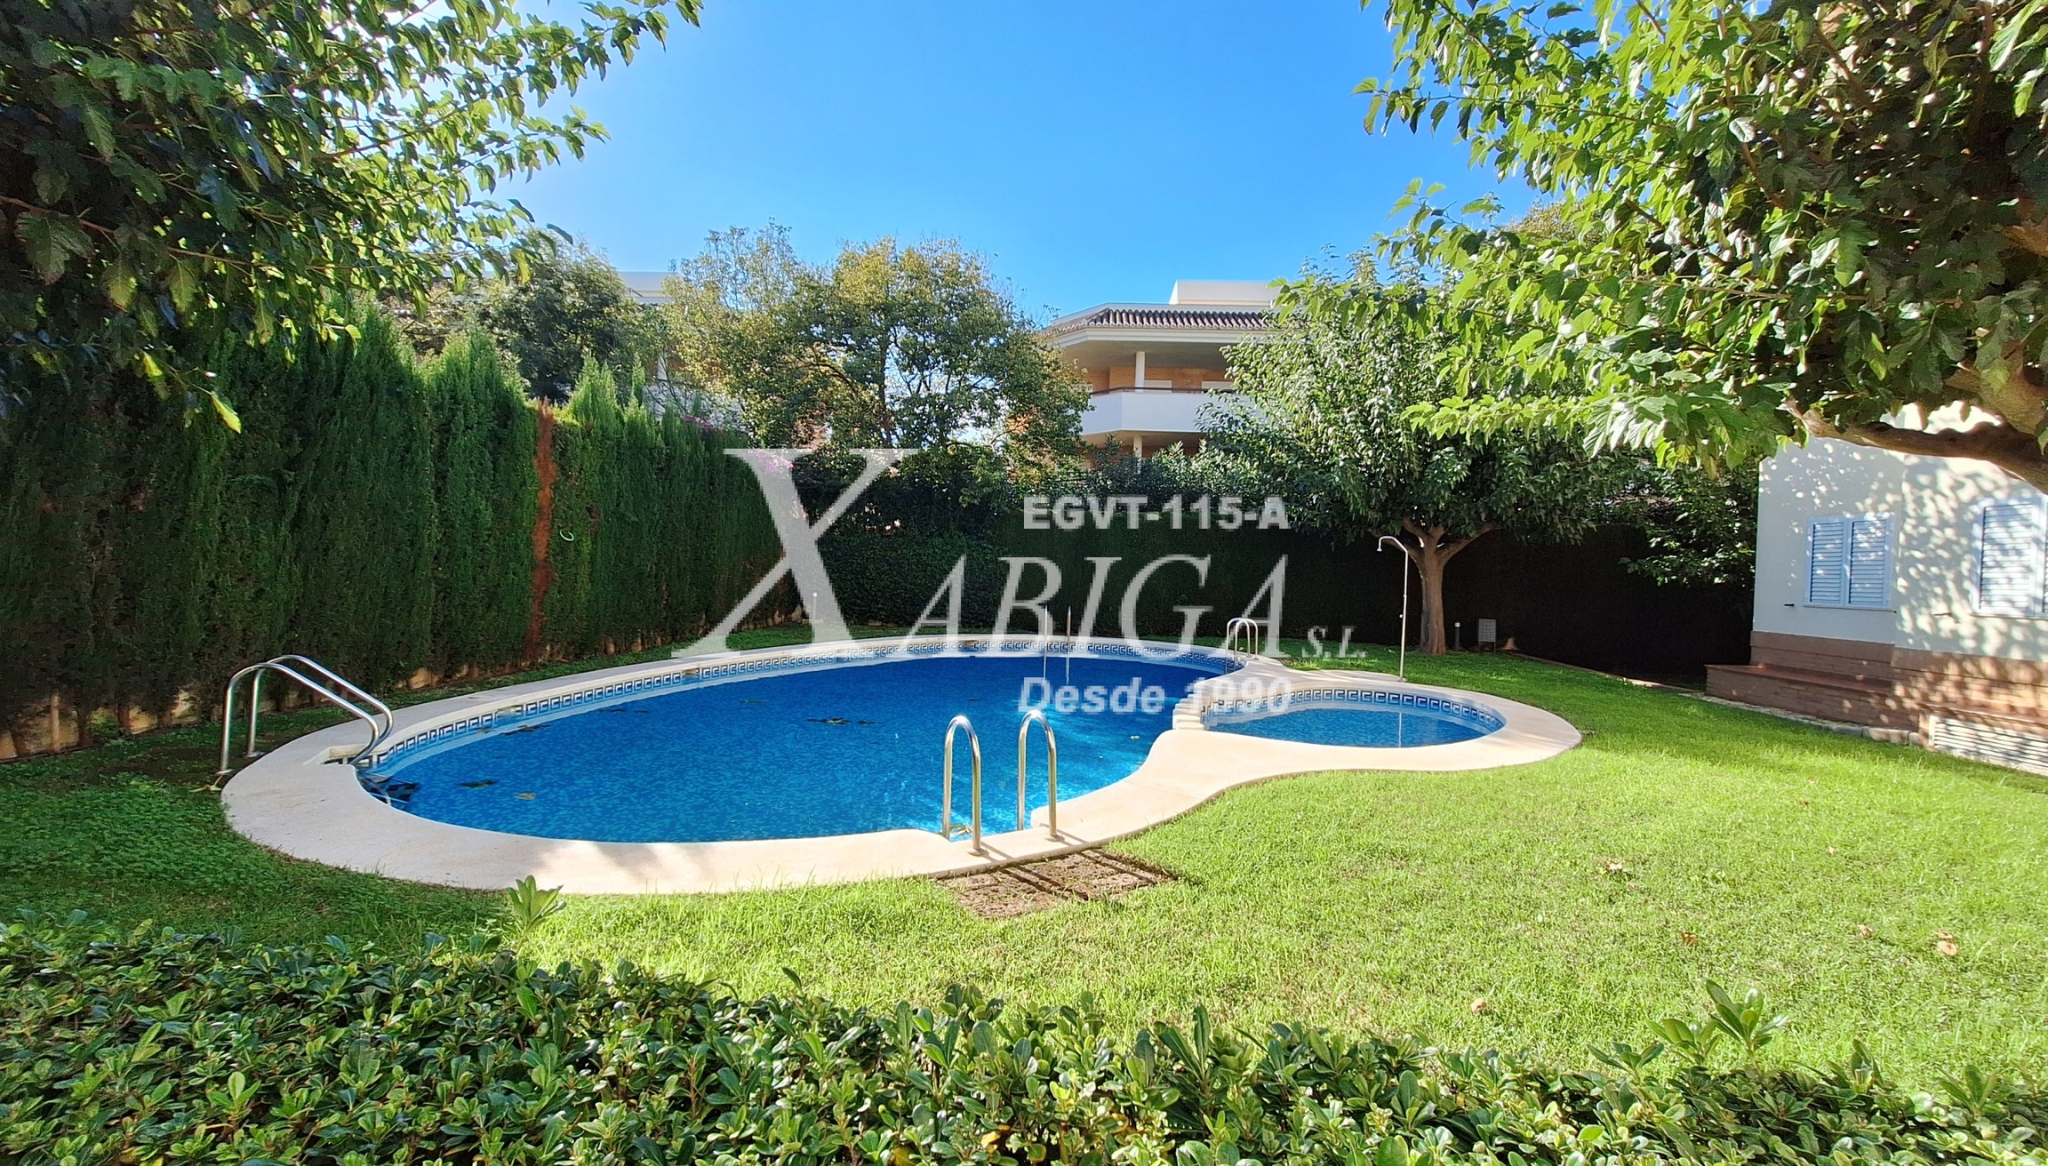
{"x": 1166, "y": 316}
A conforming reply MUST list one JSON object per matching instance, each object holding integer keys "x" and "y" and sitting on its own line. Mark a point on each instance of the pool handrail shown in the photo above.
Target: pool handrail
{"x": 946, "y": 790}
{"x": 284, "y": 666}
{"x": 347, "y": 686}
{"x": 1052, "y": 773}
{"x": 1253, "y": 635}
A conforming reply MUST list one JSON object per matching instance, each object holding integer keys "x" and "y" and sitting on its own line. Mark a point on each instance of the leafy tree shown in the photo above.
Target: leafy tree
{"x": 1701, "y": 528}
{"x": 1322, "y": 417}
{"x": 196, "y": 167}
{"x": 888, "y": 346}
{"x": 570, "y": 309}
{"x": 720, "y": 327}
{"x": 1797, "y": 220}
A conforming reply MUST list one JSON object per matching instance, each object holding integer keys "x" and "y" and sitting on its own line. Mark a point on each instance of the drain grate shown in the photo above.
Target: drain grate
{"x": 1044, "y": 883}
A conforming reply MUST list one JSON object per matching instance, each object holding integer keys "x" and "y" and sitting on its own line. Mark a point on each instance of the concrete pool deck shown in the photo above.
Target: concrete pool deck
{"x": 304, "y": 800}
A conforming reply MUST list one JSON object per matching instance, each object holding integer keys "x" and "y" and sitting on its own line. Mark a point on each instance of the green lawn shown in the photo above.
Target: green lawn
{"x": 1751, "y": 851}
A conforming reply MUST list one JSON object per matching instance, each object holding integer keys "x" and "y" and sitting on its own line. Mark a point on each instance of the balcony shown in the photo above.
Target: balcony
{"x": 1153, "y": 417}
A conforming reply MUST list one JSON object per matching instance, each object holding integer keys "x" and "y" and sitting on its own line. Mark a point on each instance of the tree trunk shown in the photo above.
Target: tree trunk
{"x": 1431, "y": 553}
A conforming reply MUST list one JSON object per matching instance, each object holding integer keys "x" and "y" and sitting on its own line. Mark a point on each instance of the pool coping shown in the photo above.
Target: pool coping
{"x": 303, "y": 799}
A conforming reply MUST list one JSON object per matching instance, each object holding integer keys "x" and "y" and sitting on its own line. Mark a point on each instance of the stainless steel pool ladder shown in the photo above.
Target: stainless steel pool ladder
{"x": 1052, "y": 779}
{"x": 1052, "y": 773}
{"x": 1251, "y": 633}
{"x": 294, "y": 667}
{"x": 946, "y": 828}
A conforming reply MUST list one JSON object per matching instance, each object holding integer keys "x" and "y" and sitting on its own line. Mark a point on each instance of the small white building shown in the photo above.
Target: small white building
{"x": 1904, "y": 592}
{"x": 1152, "y": 368}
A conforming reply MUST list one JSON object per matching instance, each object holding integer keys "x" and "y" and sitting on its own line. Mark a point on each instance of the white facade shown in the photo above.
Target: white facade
{"x": 648, "y": 287}
{"x": 1936, "y": 543}
{"x": 1139, "y": 412}
{"x": 1227, "y": 292}
{"x": 1153, "y": 369}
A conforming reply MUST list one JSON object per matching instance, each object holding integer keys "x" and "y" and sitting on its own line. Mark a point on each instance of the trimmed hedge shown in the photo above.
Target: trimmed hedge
{"x": 374, "y": 512}
{"x": 161, "y": 1048}
{"x": 657, "y": 533}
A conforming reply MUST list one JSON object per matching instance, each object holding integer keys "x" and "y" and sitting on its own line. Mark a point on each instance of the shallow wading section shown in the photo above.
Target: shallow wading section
{"x": 303, "y": 800}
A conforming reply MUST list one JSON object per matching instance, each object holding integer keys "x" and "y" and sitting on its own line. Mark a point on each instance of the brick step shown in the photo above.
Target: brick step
{"x": 1858, "y": 700}
{"x": 1822, "y": 664}
{"x": 1862, "y": 700}
{"x": 1777, "y": 672}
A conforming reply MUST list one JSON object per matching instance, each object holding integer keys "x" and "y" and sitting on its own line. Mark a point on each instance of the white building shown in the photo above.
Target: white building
{"x": 649, "y": 287}
{"x": 1152, "y": 368}
{"x": 1903, "y": 592}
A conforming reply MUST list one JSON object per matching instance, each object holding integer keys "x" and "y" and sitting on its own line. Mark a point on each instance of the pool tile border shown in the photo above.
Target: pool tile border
{"x": 299, "y": 798}
{"x": 683, "y": 674}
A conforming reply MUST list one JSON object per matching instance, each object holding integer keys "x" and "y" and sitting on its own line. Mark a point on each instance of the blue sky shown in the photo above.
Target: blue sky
{"x": 1093, "y": 151}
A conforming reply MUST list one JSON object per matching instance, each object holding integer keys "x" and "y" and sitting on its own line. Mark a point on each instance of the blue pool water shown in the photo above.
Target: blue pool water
{"x": 795, "y": 755}
{"x": 1351, "y": 724}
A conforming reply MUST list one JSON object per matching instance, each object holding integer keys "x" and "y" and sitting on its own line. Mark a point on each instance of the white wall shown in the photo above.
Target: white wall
{"x": 1143, "y": 412}
{"x": 1820, "y": 480}
{"x": 1934, "y": 503}
{"x": 1937, "y": 571}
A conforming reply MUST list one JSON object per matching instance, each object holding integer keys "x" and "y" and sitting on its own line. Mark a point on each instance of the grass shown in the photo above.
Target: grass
{"x": 130, "y": 831}
{"x": 1580, "y": 898}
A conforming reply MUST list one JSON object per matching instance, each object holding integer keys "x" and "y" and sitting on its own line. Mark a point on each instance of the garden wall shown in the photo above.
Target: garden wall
{"x": 1578, "y": 604}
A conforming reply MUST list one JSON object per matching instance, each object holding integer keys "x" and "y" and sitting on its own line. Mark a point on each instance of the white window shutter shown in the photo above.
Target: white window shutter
{"x": 1827, "y": 562}
{"x": 2009, "y": 557}
{"x": 1870, "y": 562}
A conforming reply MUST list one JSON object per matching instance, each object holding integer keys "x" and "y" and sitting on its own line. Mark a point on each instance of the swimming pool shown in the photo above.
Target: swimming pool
{"x": 302, "y": 800}
{"x": 840, "y": 749}
{"x": 1373, "y": 720}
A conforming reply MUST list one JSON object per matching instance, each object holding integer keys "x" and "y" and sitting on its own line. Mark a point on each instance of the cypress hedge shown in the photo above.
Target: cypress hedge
{"x": 374, "y": 512}
{"x": 656, "y": 531}
{"x": 154, "y": 1047}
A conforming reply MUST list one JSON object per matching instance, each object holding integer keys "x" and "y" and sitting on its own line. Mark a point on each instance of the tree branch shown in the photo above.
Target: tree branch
{"x": 1988, "y": 441}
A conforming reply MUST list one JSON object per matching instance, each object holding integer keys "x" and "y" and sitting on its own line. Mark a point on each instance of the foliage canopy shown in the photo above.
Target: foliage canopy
{"x": 199, "y": 167}
{"x": 1323, "y": 416}
{"x": 1770, "y": 221}
{"x": 571, "y": 309}
{"x": 888, "y": 346}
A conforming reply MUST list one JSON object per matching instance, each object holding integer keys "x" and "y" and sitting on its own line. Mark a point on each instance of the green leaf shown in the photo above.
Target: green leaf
{"x": 224, "y": 411}
{"x": 184, "y": 283}
{"x": 51, "y": 241}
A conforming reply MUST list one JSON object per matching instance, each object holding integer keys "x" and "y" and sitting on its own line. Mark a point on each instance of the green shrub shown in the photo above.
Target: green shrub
{"x": 161, "y": 1048}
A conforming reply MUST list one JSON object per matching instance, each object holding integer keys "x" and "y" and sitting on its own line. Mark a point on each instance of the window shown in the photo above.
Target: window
{"x": 2009, "y": 557}
{"x": 1849, "y": 562}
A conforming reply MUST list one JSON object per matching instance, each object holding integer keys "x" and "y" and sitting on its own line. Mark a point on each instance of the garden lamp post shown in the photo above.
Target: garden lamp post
{"x": 1402, "y": 668}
